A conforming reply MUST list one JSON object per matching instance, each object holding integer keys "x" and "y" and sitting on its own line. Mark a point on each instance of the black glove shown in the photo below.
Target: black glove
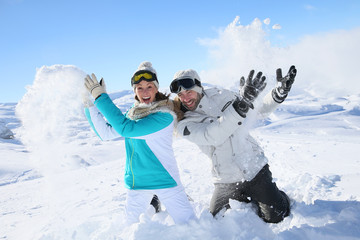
{"x": 252, "y": 87}
{"x": 249, "y": 90}
{"x": 242, "y": 106}
{"x": 280, "y": 92}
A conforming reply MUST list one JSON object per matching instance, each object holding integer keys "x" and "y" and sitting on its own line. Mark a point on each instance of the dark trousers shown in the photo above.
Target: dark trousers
{"x": 273, "y": 205}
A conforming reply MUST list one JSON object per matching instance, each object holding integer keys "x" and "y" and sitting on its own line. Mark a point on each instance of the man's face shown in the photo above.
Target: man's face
{"x": 190, "y": 99}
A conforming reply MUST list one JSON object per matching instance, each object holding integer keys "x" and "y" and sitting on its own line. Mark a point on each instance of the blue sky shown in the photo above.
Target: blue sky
{"x": 111, "y": 38}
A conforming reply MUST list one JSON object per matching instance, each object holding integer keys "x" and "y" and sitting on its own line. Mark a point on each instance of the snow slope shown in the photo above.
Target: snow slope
{"x": 59, "y": 181}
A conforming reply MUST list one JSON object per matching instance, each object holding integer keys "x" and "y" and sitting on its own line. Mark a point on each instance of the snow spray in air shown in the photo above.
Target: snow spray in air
{"x": 49, "y": 112}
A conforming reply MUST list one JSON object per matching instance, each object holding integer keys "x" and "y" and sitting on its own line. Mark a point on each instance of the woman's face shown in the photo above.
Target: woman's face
{"x": 145, "y": 91}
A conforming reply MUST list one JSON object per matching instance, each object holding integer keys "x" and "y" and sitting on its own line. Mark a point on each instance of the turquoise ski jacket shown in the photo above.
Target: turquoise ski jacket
{"x": 150, "y": 160}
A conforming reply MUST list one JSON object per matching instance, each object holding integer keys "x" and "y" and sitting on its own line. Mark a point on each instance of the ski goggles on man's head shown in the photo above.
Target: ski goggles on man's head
{"x": 143, "y": 75}
{"x": 185, "y": 83}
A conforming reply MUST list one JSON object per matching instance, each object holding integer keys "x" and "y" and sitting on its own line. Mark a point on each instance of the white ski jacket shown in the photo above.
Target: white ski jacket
{"x": 220, "y": 133}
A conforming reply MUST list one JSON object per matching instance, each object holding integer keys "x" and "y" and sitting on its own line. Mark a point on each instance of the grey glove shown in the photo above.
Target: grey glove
{"x": 87, "y": 99}
{"x": 249, "y": 90}
{"x": 284, "y": 84}
{"x": 94, "y": 87}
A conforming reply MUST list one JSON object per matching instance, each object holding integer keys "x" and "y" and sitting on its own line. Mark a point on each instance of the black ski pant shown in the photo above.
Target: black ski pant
{"x": 272, "y": 204}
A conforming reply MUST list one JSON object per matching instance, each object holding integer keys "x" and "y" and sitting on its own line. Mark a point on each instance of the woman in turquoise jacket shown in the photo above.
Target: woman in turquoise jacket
{"x": 147, "y": 127}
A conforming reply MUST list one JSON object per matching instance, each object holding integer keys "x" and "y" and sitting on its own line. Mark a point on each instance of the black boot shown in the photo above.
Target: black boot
{"x": 277, "y": 213}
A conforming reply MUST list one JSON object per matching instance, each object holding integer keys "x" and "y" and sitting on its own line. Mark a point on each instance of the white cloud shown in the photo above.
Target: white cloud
{"x": 267, "y": 21}
{"x": 276, "y": 26}
{"x": 327, "y": 63}
{"x": 309, "y": 7}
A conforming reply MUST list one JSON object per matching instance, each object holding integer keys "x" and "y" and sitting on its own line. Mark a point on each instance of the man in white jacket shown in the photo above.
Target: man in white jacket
{"x": 213, "y": 120}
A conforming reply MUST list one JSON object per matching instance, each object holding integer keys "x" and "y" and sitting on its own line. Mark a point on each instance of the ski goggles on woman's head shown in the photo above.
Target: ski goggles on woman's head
{"x": 143, "y": 75}
{"x": 185, "y": 83}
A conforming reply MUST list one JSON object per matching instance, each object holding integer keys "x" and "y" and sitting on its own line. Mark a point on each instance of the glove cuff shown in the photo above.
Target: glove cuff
{"x": 242, "y": 106}
{"x": 97, "y": 91}
{"x": 277, "y": 96}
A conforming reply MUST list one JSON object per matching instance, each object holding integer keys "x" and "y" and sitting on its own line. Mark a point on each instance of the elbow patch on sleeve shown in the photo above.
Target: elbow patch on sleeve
{"x": 186, "y": 131}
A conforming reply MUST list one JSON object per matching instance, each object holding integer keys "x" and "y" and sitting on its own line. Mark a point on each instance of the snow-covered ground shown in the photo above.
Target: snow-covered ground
{"x": 59, "y": 181}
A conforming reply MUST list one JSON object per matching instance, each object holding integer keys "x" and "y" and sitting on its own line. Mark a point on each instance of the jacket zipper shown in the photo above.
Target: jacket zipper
{"x": 132, "y": 155}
